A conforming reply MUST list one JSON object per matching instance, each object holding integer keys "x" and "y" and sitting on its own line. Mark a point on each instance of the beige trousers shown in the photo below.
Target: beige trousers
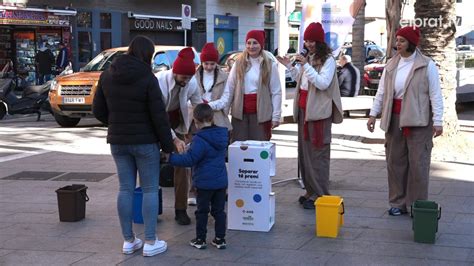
{"x": 408, "y": 163}
{"x": 314, "y": 162}
{"x": 248, "y": 129}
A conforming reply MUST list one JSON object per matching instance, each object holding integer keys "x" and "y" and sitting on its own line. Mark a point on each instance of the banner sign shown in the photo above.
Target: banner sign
{"x": 22, "y": 17}
{"x": 336, "y": 16}
{"x": 155, "y": 25}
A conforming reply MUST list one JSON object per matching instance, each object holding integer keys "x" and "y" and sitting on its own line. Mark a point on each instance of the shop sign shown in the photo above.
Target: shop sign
{"x": 295, "y": 16}
{"x": 155, "y": 25}
{"x": 226, "y": 22}
{"x": 21, "y": 17}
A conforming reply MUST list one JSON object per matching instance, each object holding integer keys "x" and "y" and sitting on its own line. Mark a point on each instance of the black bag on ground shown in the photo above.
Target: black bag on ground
{"x": 166, "y": 175}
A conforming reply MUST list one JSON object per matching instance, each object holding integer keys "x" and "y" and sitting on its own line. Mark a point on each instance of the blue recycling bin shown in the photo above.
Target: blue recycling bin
{"x": 137, "y": 205}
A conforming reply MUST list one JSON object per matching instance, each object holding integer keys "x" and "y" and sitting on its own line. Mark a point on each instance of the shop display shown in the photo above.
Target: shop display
{"x": 25, "y": 55}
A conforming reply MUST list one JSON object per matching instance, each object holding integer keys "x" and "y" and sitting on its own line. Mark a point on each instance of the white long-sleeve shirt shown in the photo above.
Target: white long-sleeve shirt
{"x": 321, "y": 80}
{"x": 218, "y": 104}
{"x": 404, "y": 67}
{"x": 207, "y": 81}
{"x": 251, "y": 83}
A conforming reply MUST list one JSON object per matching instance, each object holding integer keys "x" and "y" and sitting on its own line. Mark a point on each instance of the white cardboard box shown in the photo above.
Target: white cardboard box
{"x": 251, "y": 203}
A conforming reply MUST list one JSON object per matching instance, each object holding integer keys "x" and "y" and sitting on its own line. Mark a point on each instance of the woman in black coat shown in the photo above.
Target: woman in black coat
{"x": 129, "y": 101}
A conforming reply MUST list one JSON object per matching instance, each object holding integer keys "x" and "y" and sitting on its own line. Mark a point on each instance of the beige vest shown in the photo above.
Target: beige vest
{"x": 321, "y": 104}
{"x": 220, "y": 117}
{"x": 264, "y": 99}
{"x": 415, "y": 110}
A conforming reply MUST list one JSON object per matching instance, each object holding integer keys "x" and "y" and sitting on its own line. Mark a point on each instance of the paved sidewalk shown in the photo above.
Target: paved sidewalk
{"x": 30, "y": 231}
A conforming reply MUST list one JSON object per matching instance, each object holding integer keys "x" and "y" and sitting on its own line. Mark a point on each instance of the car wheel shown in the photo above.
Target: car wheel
{"x": 65, "y": 121}
{"x": 3, "y": 111}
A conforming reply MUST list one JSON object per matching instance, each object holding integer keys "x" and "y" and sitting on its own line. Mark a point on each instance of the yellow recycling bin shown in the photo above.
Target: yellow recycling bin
{"x": 329, "y": 215}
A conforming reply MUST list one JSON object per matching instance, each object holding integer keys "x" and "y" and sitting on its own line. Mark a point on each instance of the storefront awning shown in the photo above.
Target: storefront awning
{"x": 144, "y": 16}
{"x": 57, "y": 12}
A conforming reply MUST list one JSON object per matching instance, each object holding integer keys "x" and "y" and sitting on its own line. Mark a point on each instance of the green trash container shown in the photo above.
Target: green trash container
{"x": 425, "y": 216}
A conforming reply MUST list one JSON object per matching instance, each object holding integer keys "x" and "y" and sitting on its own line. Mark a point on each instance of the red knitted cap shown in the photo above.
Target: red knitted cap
{"x": 209, "y": 53}
{"x": 184, "y": 63}
{"x": 314, "y": 32}
{"x": 258, "y": 35}
{"x": 411, "y": 33}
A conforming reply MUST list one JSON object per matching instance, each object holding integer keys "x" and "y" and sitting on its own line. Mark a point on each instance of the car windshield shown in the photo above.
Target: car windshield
{"x": 173, "y": 54}
{"x": 102, "y": 61}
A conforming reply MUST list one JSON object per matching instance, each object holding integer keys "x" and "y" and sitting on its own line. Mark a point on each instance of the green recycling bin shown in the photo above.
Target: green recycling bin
{"x": 425, "y": 216}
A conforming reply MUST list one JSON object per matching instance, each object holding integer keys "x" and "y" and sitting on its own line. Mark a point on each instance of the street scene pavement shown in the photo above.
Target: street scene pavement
{"x": 36, "y": 158}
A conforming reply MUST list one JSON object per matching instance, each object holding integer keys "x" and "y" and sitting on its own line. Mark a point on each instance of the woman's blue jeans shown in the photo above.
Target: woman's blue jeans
{"x": 144, "y": 158}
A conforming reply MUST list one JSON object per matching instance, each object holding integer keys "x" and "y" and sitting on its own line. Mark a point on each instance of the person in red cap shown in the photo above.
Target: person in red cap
{"x": 410, "y": 101}
{"x": 211, "y": 81}
{"x": 316, "y": 106}
{"x": 255, "y": 91}
{"x": 179, "y": 86}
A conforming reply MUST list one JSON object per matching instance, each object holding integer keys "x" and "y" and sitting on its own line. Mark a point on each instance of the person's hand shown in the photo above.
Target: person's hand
{"x": 437, "y": 131}
{"x": 180, "y": 145}
{"x": 301, "y": 59}
{"x": 275, "y": 124}
{"x": 371, "y": 124}
{"x": 284, "y": 60}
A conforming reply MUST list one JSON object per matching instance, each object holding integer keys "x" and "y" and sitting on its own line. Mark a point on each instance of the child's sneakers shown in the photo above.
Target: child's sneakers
{"x": 130, "y": 247}
{"x": 158, "y": 247}
{"x": 219, "y": 243}
{"x": 198, "y": 243}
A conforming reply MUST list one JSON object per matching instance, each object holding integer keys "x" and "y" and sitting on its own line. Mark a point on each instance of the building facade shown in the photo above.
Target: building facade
{"x": 89, "y": 27}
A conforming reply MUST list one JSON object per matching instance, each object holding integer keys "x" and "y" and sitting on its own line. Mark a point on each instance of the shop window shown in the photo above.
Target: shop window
{"x": 85, "y": 46}
{"x": 105, "y": 20}
{"x": 105, "y": 40}
{"x": 269, "y": 14}
{"x": 84, "y": 19}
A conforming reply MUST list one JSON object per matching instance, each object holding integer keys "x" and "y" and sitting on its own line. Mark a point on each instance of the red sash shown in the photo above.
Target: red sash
{"x": 303, "y": 98}
{"x": 318, "y": 126}
{"x": 250, "y": 103}
{"x": 396, "y": 109}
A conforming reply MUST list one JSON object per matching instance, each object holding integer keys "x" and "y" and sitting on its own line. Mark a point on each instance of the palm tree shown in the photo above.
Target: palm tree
{"x": 393, "y": 10}
{"x": 439, "y": 44}
{"x": 358, "y": 47}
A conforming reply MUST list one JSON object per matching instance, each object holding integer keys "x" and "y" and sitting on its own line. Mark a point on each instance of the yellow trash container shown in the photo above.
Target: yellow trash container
{"x": 329, "y": 215}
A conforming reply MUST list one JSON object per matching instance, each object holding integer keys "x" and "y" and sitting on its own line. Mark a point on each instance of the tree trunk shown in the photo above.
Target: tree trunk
{"x": 438, "y": 42}
{"x": 358, "y": 47}
{"x": 393, "y": 13}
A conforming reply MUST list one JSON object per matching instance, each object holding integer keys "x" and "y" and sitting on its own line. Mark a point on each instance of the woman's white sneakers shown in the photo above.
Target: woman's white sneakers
{"x": 155, "y": 249}
{"x": 131, "y": 247}
{"x": 158, "y": 247}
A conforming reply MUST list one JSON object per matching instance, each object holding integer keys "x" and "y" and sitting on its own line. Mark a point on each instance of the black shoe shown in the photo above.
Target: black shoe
{"x": 396, "y": 211}
{"x": 302, "y": 199}
{"x": 198, "y": 243}
{"x": 219, "y": 243}
{"x": 182, "y": 217}
{"x": 308, "y": 204}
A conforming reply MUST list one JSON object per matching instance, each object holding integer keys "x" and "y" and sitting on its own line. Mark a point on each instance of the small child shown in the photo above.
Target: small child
{"x": 207, "y": 157}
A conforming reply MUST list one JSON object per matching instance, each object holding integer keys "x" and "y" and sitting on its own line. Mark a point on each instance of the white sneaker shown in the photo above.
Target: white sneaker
{"x": 192, "y": 202}
{"x": 130, "y": 247}
{"x": 157, "y": 248}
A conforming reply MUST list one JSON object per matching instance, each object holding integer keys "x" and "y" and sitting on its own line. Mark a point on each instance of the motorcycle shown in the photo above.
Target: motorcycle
{"x": 32, "y": 100}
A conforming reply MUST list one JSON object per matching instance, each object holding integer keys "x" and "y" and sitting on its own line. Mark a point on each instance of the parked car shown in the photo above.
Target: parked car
{"x": 372, "y": 75}
{"x": 373, "y": 52}
{"x": 71, "y": 96}
{"x": 227, "y": 61}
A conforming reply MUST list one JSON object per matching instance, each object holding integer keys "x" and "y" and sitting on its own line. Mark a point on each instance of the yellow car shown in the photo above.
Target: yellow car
{"x": 71, "y": 95}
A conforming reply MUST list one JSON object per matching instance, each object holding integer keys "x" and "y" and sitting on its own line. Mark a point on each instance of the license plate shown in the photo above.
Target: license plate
{"x": 74, "y": 100}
